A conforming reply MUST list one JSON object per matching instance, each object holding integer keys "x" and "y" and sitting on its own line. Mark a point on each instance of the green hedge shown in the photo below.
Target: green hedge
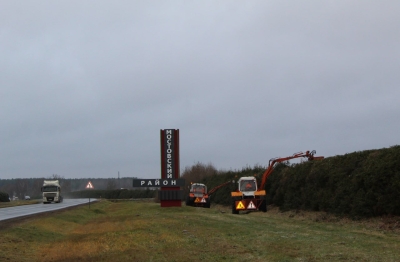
{"x": 4, "y": 197}
{"x": 113, "y": 194}
{"x": 358, "y": 184}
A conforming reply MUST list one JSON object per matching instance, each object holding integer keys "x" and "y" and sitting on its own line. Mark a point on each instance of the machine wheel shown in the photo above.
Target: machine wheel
{"x": 234, "y": 211}
{"x": 189, "y": 201}
{"x": 263, "y": 206}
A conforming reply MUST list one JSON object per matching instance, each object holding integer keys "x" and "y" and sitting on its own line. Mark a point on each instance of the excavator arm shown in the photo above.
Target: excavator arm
{"x": 272, "y": 162}
{"x": 218, "y": 187}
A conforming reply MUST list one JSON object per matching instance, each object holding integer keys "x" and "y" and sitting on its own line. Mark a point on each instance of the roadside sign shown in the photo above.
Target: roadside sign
{"x": 240, "y": 205}
{"x": 89, "y": 185}
{"x": 174, "y": 182}
{"x": 200, "y": 200}
{"x": 251, "y": 205}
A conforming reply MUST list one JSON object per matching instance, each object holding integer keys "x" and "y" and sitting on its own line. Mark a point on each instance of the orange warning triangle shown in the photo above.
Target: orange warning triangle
{"x": 197, "y": 200}
{"x": 89, "y": 185}
{"x": 240, "y": 205}
{"x": 251, "y": 205}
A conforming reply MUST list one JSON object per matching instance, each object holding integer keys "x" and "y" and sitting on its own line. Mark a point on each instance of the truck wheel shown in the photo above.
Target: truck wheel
{"x": 234, "y": 211}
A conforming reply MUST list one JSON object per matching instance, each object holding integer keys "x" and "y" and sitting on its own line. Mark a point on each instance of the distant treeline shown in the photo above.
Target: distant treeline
{"x": 358, "y": 184}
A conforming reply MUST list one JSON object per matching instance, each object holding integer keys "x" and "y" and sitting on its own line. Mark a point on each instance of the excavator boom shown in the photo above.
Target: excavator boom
{"x": 308, "y": 154}
{"x": 218, "y": 187}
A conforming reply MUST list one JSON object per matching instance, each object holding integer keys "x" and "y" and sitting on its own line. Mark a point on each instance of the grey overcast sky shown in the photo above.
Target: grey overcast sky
{"x": 86, "y": 86}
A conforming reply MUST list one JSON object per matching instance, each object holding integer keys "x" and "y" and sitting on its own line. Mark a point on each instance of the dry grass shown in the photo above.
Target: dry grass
{"x": 384, "y": 223}
{"x": 143, "y": 231}
{"x": 19, "y": 203}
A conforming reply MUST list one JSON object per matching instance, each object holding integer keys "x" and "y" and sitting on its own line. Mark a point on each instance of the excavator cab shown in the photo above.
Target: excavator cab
{"x": 198, "y": 189}
{"x": 248, "y": 185}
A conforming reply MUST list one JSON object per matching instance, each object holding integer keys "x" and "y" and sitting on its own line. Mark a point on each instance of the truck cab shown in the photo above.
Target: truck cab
{"x": 51, "y": 191}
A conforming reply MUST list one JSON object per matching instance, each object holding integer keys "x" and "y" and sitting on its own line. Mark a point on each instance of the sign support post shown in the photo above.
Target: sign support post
{"x": 89, "y": 186}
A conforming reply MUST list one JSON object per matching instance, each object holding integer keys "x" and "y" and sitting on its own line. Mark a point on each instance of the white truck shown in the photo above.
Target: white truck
{"x": 51, "y": 191}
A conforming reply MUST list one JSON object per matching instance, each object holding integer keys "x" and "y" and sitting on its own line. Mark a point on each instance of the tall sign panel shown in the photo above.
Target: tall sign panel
{"x": 170, "y": 184}
{"x": 169, "y": 140}
{"x": 169, "y": 153}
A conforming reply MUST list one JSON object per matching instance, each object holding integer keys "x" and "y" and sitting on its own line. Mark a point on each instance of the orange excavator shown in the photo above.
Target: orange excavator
{"x": 250, "y": 196}
{"x": 198, "y": 195}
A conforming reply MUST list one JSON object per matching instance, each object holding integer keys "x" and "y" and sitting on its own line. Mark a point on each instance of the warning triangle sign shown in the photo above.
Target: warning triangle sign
{"x": 240, "y": 205}
{"x": 89, "y": 185}
{"x": 251, "y": 205}
{"x": 197, "y": 200}
{"x": 203, "y": 200}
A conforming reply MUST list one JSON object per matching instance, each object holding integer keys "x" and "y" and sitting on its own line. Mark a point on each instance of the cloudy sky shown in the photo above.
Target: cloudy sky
{"x": 86, "y": 86}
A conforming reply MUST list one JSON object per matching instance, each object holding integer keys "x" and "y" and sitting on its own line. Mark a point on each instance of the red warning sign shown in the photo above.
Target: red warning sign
{"x": 251, "y": 205}
{"x": 89, "y": 185}
{"x": 200, "y": 200}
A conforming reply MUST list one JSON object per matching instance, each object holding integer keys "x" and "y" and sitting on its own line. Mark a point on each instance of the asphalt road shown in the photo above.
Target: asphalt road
{"x": 9, "y": 213}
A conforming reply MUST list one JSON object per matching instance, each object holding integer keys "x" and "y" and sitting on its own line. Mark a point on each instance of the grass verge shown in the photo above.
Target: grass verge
{"x": 143, "y": 231}
{"x": 19, "y": 203}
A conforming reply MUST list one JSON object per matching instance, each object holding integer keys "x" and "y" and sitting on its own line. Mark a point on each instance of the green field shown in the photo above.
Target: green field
{"x": 143, "y": 231}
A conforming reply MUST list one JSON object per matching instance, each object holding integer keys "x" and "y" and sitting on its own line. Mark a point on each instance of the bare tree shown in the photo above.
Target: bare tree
{"x": 196, "y": 173}
{"x": 66, "y": 185}
{"x": 20, "y": 188}
{"x": 55, "y": 177}
{"x": 111, "y": 184}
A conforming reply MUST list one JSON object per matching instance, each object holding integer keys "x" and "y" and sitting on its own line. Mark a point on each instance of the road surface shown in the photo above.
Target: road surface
{"x": 8, "y": 213}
